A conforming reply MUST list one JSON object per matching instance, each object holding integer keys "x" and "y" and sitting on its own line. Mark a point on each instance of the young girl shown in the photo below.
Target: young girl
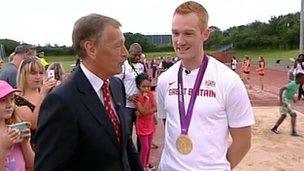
{"x": 146, "y": 107}
{"x": 261, "y": 71}
{"x": 15, "y": 150}
{"x": 246, "y": 71}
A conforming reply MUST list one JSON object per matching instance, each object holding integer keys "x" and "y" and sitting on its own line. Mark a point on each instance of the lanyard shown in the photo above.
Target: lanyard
{"x": 185, "y": 119}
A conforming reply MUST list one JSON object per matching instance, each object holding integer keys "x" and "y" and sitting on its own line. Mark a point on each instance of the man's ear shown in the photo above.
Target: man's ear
{"x": 206, "y": 34}
{"x": 90, "y": 49}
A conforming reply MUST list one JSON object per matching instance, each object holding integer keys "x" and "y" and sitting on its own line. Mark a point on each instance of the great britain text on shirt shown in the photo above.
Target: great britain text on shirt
{"x": 188, "y": 91}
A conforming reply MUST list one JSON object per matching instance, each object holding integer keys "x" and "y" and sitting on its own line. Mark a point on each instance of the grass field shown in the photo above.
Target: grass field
{"x": 271, "y": 57}
{"x": 66, "y": 61}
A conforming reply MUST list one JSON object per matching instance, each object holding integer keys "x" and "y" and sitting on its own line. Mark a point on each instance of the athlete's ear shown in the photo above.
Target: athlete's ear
{"x": 206, "y": 33}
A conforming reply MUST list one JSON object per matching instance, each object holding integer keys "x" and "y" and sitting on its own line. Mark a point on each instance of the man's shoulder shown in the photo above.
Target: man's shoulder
{"x": 8, "y": 70}
{"x": 9, "y": 67}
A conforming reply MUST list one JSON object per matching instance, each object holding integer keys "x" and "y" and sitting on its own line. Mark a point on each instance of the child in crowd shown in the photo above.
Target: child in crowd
{"x": 285, "y": 101}
{"x": 146, "y": 107}
{"x": 15, "y": 149}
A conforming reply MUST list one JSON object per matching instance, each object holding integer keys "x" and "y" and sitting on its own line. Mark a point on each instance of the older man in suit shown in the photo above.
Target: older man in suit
{"x": 82, "y": 122}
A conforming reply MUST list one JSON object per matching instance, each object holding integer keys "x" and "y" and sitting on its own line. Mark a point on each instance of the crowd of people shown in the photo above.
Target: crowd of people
{"x": 85, "y": 120}
{"x": 23, "y": 87}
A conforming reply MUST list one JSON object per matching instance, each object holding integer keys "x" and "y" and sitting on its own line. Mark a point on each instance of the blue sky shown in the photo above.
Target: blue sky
{"x": 51, "y": 21}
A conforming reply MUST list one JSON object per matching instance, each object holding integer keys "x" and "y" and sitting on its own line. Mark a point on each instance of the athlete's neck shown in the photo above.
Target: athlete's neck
{"x": 193, "y": 63}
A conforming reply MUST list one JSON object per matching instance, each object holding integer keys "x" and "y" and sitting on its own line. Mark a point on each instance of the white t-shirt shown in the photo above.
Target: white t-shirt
{"x": 299, "y": 68}
{"x": 222, "y": 102}
{"x": 128, "y": 76}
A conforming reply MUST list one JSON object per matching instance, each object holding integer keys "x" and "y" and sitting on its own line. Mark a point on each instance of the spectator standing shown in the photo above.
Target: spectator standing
{"x": 154, "y": 66}
{"x": 43, "y": 61}
{"x": 131, "y": 69}
{"x": 9, "y": 71}
{"x": 32, "y": 90}
{"x": 59, "y": 72}
{"x": 299, "y": 68}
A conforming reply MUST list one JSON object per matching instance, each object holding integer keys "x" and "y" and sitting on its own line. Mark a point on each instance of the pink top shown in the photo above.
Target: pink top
{"x": 145, "y": 123}
{"x": 15, "y": 160}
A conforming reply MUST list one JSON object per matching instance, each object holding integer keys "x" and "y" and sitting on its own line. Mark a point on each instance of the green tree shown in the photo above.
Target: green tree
{"x": 138, "y": 38}
{"x": 9, "y": 45}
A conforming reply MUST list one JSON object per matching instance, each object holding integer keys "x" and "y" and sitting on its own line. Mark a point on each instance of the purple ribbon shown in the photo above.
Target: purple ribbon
{"x": 185, "y": 119}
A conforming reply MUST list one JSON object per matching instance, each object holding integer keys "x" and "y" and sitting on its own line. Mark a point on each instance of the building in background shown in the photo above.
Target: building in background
{"x": 160, "y": 40}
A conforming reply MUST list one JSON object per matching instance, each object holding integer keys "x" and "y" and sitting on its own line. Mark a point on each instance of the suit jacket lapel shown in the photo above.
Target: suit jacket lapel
{"x": 94, "y": 105}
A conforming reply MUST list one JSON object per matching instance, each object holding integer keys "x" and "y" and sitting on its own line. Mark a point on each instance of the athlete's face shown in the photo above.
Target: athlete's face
{"x": 187, "y": 37}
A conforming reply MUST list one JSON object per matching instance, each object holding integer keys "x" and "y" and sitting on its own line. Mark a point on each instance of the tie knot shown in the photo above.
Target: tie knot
{"x": 105, "y": 84}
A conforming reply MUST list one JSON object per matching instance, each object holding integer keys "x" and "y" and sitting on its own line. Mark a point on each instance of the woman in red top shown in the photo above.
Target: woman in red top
{"x": 246, "y": 70}
{"x": 146, "y": 107}
{"x": 261, "y": 71}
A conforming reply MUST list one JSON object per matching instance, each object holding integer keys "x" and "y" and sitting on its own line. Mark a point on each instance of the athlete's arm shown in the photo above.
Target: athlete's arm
{"x": 241, "y": 142}
{"x": 281, "y": 94}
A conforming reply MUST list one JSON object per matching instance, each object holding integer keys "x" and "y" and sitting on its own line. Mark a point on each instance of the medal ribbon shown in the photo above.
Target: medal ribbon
{"x": 185, "y": 119}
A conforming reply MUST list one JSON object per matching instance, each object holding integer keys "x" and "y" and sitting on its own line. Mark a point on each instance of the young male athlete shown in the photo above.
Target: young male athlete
{"x": 201, "y": 101}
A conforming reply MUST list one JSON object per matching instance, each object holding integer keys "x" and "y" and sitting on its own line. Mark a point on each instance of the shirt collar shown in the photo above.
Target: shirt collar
{"x": 95, "y": 81}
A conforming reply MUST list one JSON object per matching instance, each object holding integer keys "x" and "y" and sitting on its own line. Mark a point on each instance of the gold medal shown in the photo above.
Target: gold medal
{"x": 184, "y": 144}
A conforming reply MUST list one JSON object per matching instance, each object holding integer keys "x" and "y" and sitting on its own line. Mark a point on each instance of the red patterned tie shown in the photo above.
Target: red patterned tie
{"x": 107, "y": 104}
